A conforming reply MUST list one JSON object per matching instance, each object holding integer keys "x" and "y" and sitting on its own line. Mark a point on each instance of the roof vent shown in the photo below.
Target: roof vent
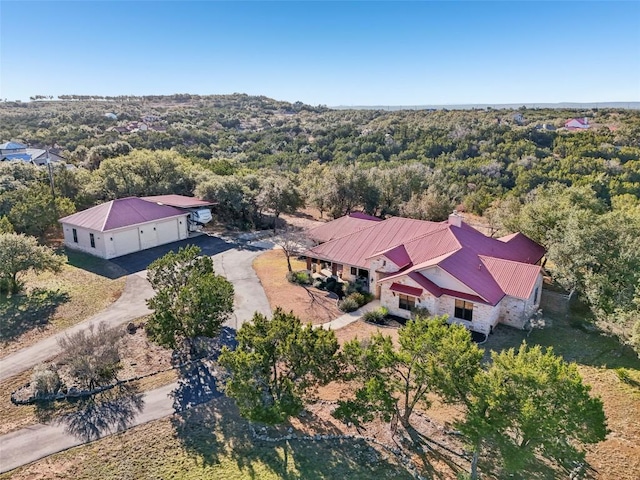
{"x": 455, "y": 219}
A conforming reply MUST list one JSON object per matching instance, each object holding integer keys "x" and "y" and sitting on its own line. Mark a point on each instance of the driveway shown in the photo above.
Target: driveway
{"x": 139, "y": 261}
{"x": 131, "y": 305}
{"x": 197, "y": 383}
{"x": 231, "y": 260}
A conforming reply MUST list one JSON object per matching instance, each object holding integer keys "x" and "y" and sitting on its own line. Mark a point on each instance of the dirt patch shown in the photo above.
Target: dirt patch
{"x": 309, "y": 304}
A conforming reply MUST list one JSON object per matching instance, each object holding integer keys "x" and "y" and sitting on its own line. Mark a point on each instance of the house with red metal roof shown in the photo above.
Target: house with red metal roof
{"x": 577, "y": 124}
{"x": 448, "y": 267}
{"x": 128, "y": 225}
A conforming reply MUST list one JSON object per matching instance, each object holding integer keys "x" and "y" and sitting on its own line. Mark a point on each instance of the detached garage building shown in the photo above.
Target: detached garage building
{"x": 123, "y": 226}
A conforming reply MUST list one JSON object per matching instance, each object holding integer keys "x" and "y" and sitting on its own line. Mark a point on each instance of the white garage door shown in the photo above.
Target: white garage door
{"x": 126, "y": 241}
{"x": 167, "y": 231}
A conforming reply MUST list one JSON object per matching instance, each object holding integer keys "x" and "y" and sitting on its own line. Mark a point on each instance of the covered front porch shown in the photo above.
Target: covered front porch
{"x": 347, "y": 273}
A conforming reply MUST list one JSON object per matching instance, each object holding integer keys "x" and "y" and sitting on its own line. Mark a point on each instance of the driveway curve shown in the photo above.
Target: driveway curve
{"x": 234, "y": 263}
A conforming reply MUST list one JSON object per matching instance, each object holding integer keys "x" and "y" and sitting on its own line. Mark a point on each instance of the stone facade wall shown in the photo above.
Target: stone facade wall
{"x": 515, "y": 312}
{"x": 485, "y": 317}
{"x": 391, "y": 301}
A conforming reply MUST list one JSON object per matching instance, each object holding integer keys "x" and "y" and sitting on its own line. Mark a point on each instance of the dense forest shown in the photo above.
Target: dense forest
{"x": 577, "y": 192}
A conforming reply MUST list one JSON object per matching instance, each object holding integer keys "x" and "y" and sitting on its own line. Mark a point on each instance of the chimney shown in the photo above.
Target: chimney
{"x": 455, "y": 219}
{"x": 586, "y": 121}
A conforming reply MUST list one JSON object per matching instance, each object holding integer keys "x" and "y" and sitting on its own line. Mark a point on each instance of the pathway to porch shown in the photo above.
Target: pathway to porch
{"x": 347, "y": 318}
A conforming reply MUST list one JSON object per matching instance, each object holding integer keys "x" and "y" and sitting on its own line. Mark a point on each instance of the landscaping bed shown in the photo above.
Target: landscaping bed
{"x": 139, "y": 357}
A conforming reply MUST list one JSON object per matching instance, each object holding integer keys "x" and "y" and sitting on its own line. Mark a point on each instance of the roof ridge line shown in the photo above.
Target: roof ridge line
{"x": 417, "y": 237}
{"x": 106, "y": 217}
{"x": 482, "y": 257}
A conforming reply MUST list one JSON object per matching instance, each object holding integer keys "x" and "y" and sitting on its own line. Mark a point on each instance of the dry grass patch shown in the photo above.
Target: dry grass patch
{"x": 309, "y": 304}
{"x": 84, "y": 294}
{"x": 209, "y": 441}
{"x": 139, "y": 357}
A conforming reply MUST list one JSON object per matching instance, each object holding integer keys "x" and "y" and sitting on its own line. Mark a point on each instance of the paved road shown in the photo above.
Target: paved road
{"x": 131, "y": 305}
{"x": 139, "y": 261}
{"x": 233, "y": 261}
{"x": 197, "y": 384}
{"x": 38, "y": 441}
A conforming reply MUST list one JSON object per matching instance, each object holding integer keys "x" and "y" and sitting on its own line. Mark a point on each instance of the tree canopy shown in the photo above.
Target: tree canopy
{"x": 528, "y": 403}
{"x": 392, "y": 381}
{"x": 276, "y": 365}
{"x": 191, "y": 300}
{"x": 20, "y": 253}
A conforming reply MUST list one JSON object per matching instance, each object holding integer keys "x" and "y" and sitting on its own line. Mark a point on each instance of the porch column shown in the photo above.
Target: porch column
{"x": 309, "y": 263}
{"x": 334, "y": 269}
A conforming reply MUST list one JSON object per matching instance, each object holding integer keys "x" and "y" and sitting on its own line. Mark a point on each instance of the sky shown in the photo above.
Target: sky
{"x": 330, "y": 53}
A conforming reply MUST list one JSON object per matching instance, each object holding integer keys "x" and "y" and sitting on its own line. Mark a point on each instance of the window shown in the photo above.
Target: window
{"x": 535, "y": 297}
{"x": 92, "y": 240}
{"x": 354, "y": 271}
{"x": 463, "y": 310}
{"x": 406, "y": 302}
{"x": 75, "y": 235}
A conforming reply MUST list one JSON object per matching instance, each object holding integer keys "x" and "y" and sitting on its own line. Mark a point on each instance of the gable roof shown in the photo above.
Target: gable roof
{"x": 522, "y": 248}
{"x": 490, "y": 267}
{"x": 123, "y": 212}
{"x": 357, "y": 247}
{"x": 342, "y": 226}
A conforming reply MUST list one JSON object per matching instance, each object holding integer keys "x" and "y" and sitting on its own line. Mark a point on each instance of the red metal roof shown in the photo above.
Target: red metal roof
{"x": 523, "y": 249}
{"x": 514, "y": 278}
{"x": 356, "y": 248}
{"x": 119, "y": 213}
{"x": 399, "y": 256}
{"x": 490, "y": 267}
{"x": 342, "y": 226}
{"x": 179, "y": 201}
{"x": 406, "y": 289}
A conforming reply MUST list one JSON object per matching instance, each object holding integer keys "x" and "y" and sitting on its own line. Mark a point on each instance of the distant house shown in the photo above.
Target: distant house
{"x": 17, "y": 152}
{"x": 518, "y": 118}
{"x": 546, "y": 127}
{"x": 150, "y": 118}
{"x": 577, "y": 124}
{"x": 448, "y": 268}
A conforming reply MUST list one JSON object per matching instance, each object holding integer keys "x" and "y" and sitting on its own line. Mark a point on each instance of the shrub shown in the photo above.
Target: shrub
{"x": 376, "y": 316}
{"x": 358, "y": 298}
{"x": 93, "y": 357}
{"x": 421, "y": 312}
{"x": 301, "y": 277}
{"x": 45, "y": 381}
{"x": 348, "y": 304}
{"x": 623, "y": 375}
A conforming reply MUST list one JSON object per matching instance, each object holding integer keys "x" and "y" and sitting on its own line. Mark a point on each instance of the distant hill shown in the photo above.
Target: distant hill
{"x": 496, "y": 106}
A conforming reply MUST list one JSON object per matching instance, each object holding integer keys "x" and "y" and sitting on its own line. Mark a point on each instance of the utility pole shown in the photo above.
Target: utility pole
{"x": 50, "y": 168}
{"x": 53, "y": 191}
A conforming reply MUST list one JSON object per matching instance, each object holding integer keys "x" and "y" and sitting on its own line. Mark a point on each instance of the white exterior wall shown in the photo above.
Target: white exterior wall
{"x": 84, "y": 242}
{"x": 515, "y": 311}
{"x": 116, "y": 243}
{"x": 444, "y": 279}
